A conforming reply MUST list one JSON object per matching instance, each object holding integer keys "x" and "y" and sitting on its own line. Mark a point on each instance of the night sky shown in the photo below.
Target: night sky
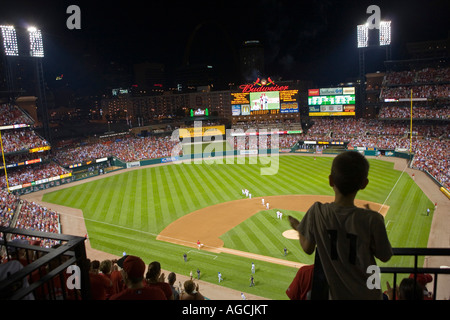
{"x": 311, "y": 40}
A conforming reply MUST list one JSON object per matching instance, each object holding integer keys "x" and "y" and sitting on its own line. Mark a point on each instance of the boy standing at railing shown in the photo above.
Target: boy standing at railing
{"x": 348, "y": 238}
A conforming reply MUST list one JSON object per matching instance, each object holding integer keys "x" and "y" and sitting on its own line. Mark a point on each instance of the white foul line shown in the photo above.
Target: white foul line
{"x": 393, "y": 188}
{"x": 208, "y": 254}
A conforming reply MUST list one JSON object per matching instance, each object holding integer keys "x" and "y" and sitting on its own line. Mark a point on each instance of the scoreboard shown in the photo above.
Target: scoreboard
{"x": 331, "y": 100}
{"x": 249, "y": 102}
{"x": 339, "y": 101}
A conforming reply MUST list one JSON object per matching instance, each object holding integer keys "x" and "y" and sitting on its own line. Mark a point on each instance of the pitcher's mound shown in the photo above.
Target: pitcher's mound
{"x": 291, "y": 234}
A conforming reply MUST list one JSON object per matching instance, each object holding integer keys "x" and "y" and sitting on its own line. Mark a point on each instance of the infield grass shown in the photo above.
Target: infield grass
{"x": 126, "y": 211}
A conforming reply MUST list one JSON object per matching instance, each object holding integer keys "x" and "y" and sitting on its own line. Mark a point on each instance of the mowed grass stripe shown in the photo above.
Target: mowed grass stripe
{"x": 192, "y": 202}
{"x": 174, "y": 193}
{"x": 110, "y": 203}
{"x": 144, "y": 202}
{"x": 291, "y": 179}
{"x": 96, "y": 195}
{"x": 170, "y": 215}
{"x": 127, "y": 210}
{"x": 250, "y": 182}
{"x": 153, "y": 202}
{"x": 68, "y": 197}
{"x": 83, "y": 194}
{"x": 162, "y": 217}
{"x": 265, "y": 229}
{"x": 273, "y": 228}
{"x": 240, "y": 180}
{"x": 180, "y": 190}
{"x": 134, "y": 219}
{"x": 245, "y": 238}
{"x": 194, "y": 186}
{"x": 209, "y": 185}
{"x": 119, "y": 197}
{"x": 220, "y": 178}
{"x": 299, "y": 176}
{"x": 98, "y": 210}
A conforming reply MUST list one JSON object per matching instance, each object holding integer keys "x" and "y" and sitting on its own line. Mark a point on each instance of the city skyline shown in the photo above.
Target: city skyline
{"x": 313, "y": 40}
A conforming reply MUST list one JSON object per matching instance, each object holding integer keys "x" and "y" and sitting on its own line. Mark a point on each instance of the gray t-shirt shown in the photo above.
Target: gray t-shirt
{"x": 348, "y": 239}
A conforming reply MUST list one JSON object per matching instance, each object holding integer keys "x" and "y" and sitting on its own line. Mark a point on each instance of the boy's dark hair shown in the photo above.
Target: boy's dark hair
{"x": 153, "y": 270}
{"x": 409, "y": 289}
{"x": 349, "y": 171}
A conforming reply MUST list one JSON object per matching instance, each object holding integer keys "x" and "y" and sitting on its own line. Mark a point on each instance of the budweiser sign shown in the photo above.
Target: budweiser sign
{"x": 254, "y": 88}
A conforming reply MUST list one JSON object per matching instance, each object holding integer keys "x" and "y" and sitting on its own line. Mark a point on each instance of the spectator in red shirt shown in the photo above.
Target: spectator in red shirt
{"x": 300, "y": 287}
{"x": 154, "y": 278}
{"x": 99, "y": 283}
{"x": 133, "y": 275}
{"x": 422, "y": 280}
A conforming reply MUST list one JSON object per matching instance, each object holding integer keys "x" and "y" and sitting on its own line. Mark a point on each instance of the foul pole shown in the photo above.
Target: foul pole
{"x": 4, "y": 164}
{"x": 410, "y": 124}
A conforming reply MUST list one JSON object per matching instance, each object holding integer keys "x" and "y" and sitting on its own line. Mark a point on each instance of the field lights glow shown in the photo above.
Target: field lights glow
{"x": 9, "y": 40}
{"x": 385, "y": 33}
{"x": 11, "y": 48}
{"x": 36, "y": 45}
{"x": 363, "y": 35}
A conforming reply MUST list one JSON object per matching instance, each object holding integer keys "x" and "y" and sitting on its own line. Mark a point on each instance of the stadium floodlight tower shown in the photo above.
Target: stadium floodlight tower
{"x": 21, "y": 43}
{"x": 366, "y": 41}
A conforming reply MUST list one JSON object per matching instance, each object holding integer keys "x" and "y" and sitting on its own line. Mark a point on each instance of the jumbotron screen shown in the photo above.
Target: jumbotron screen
{"x": 332, "y": 101}
{"x": 264, "y": 102}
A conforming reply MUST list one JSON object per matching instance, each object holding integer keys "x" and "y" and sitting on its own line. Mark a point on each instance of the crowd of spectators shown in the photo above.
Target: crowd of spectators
{"x": 8, "y": 205}
{"x": 28, "y": 174}
{"x": 263, "y": 141}
{"x": 431, "y": 142}
{"x": 430, "y": 83}
{"x": 418, "y": 112}
{"x": 30, "y": 216}
{"x": 433, "y": 155}
{"x": 33, "y": 216}
{"x": 355, "y": 127}
{"x": 23, "y": 157}
{"x": 126, "y": 148}
{"x": 433, "y": 91}
{"x": 127, "y": 278}
{"x": 423, "y": 76}
{"x": 80, "y": 153}
{"x": 280, "y": 124}
{"x": 10, "y": 114}
{"x": 21, "y": 140}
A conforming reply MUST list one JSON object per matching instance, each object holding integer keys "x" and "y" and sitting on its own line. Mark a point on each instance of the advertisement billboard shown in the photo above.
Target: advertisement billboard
{"x": 339, "y": 101}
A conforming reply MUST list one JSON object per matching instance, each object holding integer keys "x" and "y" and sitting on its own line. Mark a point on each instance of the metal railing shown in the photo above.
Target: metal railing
{"x": 46, "y": 268}
{"x": 320, "y": 288}
{"x": 415, "y": 270}
{"x": 46, "y": 271}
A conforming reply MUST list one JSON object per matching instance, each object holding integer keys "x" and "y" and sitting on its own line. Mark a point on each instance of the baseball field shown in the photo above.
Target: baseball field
{"x": 159, "y": 213}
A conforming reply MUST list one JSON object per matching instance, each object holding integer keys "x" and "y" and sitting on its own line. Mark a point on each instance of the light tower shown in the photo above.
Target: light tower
{"x": 367, "y": 40}
{"x": 27, "y": 44}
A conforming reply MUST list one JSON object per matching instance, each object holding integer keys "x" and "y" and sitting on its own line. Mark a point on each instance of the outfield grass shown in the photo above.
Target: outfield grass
{"x": 125, "y": 212}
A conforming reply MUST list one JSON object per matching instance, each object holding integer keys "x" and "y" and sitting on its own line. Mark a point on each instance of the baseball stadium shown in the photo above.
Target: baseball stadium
{"x": 209, "y": 191}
